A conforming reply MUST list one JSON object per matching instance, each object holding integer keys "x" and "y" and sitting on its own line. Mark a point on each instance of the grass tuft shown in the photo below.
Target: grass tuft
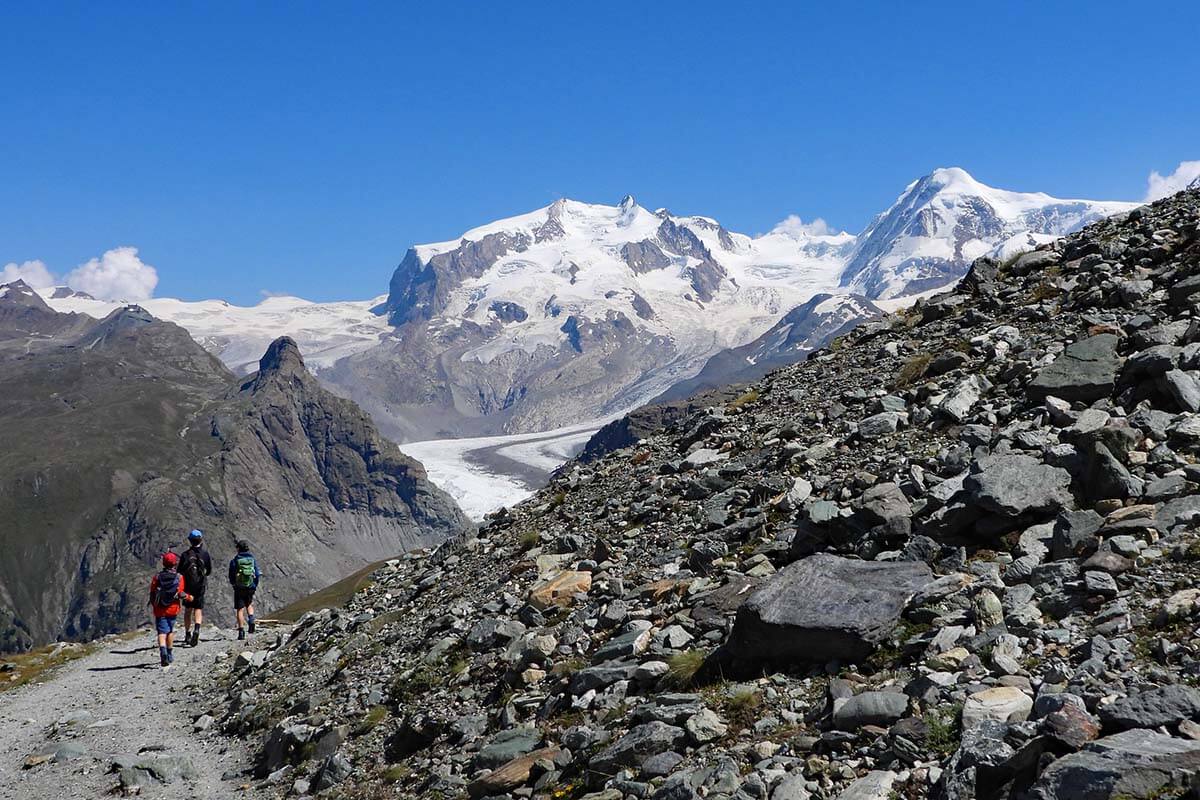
{"x": 682, "y": 668}
{"x": 744, "y": 400}
{"x": 913, "y": 370}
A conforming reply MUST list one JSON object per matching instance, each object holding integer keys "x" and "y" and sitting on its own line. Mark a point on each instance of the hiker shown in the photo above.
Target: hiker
{"x": 195, "y": 565}
{"x": 244, "y": 575}
{"x": 166, "y": 590}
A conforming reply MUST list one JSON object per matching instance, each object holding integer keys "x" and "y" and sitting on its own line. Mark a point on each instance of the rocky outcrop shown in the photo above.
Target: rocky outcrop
{"x": 123, "y": 434}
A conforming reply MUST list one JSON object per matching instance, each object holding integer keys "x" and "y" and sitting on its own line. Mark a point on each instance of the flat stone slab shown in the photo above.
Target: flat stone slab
{"x": 825, "y": 607}
{"x": 1086, "y": 370}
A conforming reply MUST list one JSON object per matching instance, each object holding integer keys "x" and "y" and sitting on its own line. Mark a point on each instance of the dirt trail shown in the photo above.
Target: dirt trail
{"x": 110, "y": 705}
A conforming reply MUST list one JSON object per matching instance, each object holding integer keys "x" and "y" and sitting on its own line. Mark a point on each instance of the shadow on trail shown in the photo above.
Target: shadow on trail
{"x": 134, "y": 651}
{"x": 123, "y": 666}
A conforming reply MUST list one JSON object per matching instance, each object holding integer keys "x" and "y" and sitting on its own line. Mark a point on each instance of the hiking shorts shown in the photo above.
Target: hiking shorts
{"x": 164, "y": 624}
{"x": 197, "y": 601}
{"x": 242, "y": 597}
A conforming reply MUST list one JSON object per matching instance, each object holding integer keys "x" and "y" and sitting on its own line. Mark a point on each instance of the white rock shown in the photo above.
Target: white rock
{"x": 1002, "y": 703}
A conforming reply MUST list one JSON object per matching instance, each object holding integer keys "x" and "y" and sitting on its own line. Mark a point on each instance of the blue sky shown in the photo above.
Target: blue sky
{"x": 302, "y": 147}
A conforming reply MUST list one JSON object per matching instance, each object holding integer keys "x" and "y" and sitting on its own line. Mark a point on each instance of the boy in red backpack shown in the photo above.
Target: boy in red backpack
{"x": 166, "y": 590}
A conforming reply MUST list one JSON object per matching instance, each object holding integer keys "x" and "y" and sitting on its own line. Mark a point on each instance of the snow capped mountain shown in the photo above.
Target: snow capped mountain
{"x": 239, "y": 335}
{"x": 944, "y": 221}
{"x": 533, "y": 272}
{"x": 574, "y": 311}
{"x": 578, "y": 311}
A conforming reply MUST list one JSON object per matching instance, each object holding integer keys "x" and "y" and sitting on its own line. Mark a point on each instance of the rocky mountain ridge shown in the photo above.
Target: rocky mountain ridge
{"x": 954, "y": 555}
{"x": 123, "y": 434}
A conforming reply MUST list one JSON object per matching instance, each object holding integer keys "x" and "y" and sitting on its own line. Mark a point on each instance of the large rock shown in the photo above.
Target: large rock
{"x": 1086, "y": 370}
{"x": 1012, "y": 485}
{"x": 639, "y": 744}
{"x": 1162, "y": 705}
{"x": 508, "y": 745}
{"x": 1132, "y": 764}
{"x": 1001, "y": 703}
{"x": 560, "y": 590}
{"x": 824, "y": 607}
{"x": 869, "y": 708}
{"x": 963, "y": 397}
{"x": 875, "y": 785}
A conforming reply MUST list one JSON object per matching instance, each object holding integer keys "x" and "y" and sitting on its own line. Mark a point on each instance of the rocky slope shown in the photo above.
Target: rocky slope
{"x": 122, "y": 434}
{"x": 953, "y": 556}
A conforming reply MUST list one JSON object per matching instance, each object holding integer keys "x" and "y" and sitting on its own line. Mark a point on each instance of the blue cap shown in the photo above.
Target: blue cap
{"x": 195, "y": 536}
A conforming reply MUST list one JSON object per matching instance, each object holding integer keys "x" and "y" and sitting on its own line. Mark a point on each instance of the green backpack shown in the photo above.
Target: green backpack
{"x": 243, "y": 577}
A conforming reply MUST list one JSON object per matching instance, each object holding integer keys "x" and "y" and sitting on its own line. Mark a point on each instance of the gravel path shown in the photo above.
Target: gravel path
{"x": 118, "y": 704}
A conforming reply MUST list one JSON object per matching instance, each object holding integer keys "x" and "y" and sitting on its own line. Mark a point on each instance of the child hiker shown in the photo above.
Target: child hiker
{"x": 166, "y": 590}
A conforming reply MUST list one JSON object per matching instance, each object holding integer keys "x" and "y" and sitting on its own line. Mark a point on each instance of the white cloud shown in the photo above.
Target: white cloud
{"x": 794, "y": 226}
{"x": 1160, "y": 186}
{"x": 34, "y": 273}
{"x": 117, "y": 275}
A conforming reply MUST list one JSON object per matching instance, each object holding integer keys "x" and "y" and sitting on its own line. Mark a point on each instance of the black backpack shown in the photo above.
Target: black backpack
{"x": 191, "y": 566}
{"x": 168, "y": 588}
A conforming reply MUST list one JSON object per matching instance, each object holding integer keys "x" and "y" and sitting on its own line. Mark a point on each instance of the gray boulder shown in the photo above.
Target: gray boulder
{"x": 1163, "y": 705}
{"x": 1075, "y": 534}
{"x": 880, "y": 424}
{"x": 1183, "y": 388}
{"x": 824, "y": 607}
{"x": 1132, "y": 764}
{"x": 1011, "y": 485}
{"x": 869, "y": 708}
{"x": 1086, "y": 370}
{"x": 642, "y": 742}
{"x": 506, "y": 746}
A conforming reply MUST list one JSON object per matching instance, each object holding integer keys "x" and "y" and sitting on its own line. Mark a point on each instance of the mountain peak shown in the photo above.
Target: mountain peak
{"x": 282, "y": 358}
{"x": 627, "y": 203}
{"x": 19, "y": 293}
{"x": 954, "y": 179}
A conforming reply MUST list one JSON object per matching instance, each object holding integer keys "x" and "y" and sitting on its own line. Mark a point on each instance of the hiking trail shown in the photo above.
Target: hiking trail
{"x": 114, "y": 721}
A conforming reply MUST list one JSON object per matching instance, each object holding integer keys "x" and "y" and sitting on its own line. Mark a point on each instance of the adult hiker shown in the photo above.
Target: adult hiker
{"x": 244, "y": 576}
{"x": 167, "y": 588}
{"x": 195, "y": 565}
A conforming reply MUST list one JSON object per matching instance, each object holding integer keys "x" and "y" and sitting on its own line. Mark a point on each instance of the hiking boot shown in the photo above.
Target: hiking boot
{"x": 187, "y": 639}
{"x": 251, "y": 626}
{"x": 195, "y": 639}
{"x": 241, "y": 634}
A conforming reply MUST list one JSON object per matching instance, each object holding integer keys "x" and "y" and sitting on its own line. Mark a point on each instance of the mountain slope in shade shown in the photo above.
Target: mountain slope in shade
{"x": 122, "y": 434}
{"x": 944, "y": 221}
